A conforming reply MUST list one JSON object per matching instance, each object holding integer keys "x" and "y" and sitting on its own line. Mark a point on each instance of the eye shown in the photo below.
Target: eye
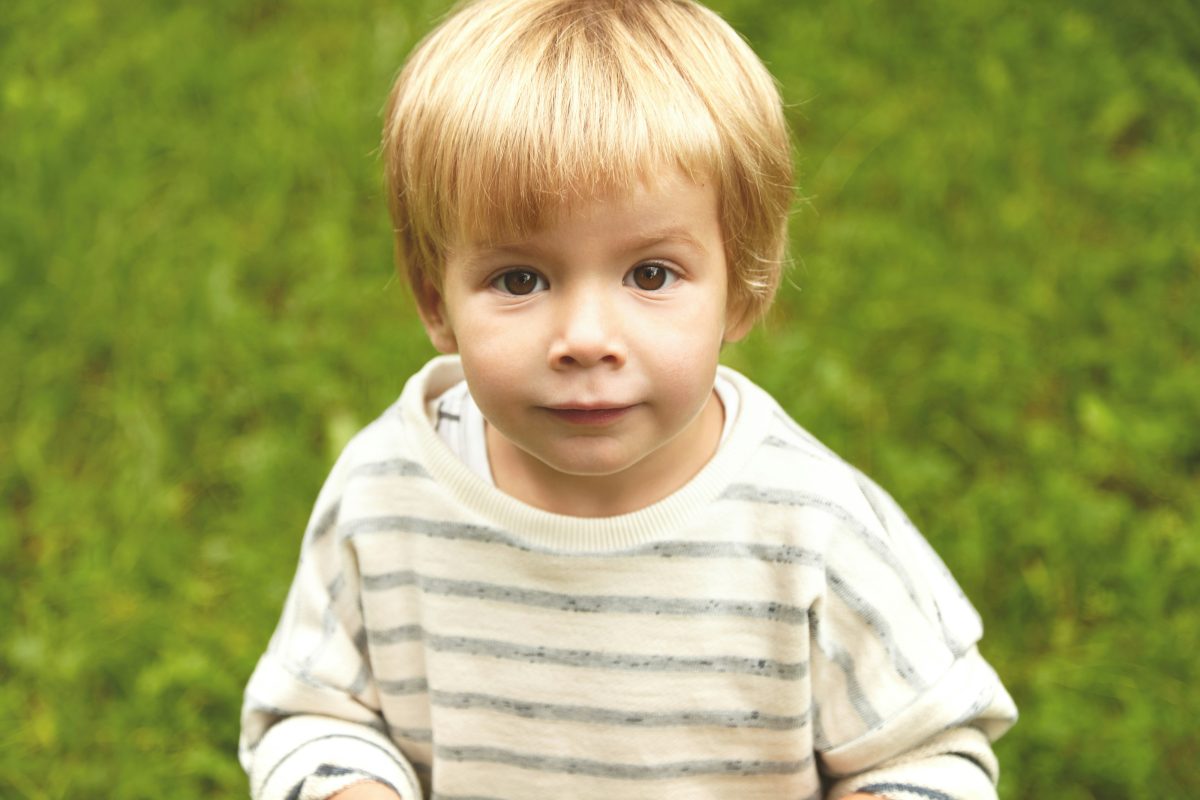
{"x": 651, "y": 276}
{"x": 519, "y": 282}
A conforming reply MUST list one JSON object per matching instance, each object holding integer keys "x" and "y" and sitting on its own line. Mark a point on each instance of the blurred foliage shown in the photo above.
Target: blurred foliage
{"x": 992, "y": 311}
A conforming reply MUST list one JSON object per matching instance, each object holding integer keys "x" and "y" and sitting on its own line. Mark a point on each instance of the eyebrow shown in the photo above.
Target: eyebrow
{"x": 641, "y": 241}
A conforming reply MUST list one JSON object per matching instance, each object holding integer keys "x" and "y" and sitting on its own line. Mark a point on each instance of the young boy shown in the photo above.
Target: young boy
{"x": 577, "y": 558}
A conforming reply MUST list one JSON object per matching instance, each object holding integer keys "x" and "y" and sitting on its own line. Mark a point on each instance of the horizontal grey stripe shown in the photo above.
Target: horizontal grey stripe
{"x": 919, "y": 791}
{"x": 788, "y": 497}
{"x": 328, "y": 770}
{"x": 253, "y": 704}
{"x": 462, "y": 531}
{"x": 882, "y": 629}
{"x": 402, "y": 633}
{"x": 412, "y": 734}
{"x": 399, "y": 467}
{"x": 409, "y": 686}
{"x": 634, "y": 772}
{"x": 591, "y": 659}
{"x": 612, "y": 716}
{"x": 775, "y": 554}
{"x": 438, "y": 529}
{"x": 606, "y": 604}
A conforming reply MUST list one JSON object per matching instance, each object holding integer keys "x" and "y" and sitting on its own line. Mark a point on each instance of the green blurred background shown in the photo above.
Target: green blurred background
{"x": 993, "y": 311}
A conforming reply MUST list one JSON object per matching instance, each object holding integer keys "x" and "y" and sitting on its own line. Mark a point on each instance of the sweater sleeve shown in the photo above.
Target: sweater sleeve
{"x": 311, "y": 722}
{"x": 907, "y": 707}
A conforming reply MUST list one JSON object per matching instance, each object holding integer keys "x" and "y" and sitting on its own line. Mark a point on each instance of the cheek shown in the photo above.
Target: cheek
{"x": 495, "y": 360}
{"x": 487, "y": 335}
{"x": 697, "y": 331}
{"x": 492, "y": 386}
{"x": 685, "y": 359}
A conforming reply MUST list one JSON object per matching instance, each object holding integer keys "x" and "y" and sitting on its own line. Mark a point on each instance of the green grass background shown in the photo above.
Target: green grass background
{"x": 993, "y": 310}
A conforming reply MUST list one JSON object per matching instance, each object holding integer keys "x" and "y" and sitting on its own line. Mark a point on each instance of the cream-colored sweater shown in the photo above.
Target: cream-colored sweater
{"x": 775, "y": 629}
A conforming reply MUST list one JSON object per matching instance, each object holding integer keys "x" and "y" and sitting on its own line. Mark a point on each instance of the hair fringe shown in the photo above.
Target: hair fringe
{"x": 510, "y": 111}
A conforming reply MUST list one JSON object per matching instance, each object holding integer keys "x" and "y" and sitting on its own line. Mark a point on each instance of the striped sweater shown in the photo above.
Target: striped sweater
{"x": 775, "y": 629}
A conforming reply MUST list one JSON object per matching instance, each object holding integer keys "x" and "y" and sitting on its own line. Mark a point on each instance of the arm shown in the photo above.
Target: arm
{"x": 311, "y": 721}
{"x": 907, "y": 705}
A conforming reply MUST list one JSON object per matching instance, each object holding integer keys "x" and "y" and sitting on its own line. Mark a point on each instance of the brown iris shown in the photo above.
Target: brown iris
{"x": 519, "y": 281}
{"x": 649, "y": 276}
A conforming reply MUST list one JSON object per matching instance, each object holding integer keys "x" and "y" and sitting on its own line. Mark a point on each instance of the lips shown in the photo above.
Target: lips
{"x": 589, "y": 415}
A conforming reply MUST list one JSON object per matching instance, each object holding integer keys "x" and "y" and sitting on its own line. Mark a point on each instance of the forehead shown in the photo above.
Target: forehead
{"x": 666, "y": 208}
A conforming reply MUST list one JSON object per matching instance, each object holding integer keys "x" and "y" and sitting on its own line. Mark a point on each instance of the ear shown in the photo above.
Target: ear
{"x": 738, "y": 321}
{"x": 432, "y": 309}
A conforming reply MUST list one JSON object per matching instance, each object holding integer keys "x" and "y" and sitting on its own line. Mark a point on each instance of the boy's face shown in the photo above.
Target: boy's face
{"x": 591, "y": 346}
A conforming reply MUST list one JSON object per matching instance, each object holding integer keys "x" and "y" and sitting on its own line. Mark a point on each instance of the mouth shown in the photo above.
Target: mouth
{"x": 589, "y": 415}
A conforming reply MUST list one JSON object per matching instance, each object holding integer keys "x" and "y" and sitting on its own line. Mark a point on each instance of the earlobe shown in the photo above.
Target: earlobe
{"x": 432, "y": 309}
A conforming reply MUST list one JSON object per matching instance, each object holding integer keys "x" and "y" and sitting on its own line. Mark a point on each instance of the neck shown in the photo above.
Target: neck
{"x": 654, "y": 477}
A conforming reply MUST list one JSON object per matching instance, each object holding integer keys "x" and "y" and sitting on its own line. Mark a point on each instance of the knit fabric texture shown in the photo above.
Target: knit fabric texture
{"x": 775, "y": 628}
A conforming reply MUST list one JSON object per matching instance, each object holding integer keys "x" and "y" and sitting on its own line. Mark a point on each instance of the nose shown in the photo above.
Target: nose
{"x": 588, "y": 334}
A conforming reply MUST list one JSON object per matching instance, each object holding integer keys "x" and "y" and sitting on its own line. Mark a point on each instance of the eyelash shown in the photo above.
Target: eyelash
{"x": 669, "y": 276}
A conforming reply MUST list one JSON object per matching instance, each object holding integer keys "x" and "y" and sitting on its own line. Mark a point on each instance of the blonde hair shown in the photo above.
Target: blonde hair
{"x": 512, "y": 109}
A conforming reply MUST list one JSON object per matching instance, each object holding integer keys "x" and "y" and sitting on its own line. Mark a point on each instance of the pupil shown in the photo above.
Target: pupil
{"x": 649, "y": 276}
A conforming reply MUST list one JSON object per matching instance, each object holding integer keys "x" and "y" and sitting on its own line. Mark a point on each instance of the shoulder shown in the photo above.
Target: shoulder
{"x": 403, "y": 431}
{"x": 388, "y": 460}
{"x": 792, "y": 467}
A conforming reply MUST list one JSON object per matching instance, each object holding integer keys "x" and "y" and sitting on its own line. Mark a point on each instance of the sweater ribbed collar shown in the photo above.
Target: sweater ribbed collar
{"x": 543, "y": 529}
